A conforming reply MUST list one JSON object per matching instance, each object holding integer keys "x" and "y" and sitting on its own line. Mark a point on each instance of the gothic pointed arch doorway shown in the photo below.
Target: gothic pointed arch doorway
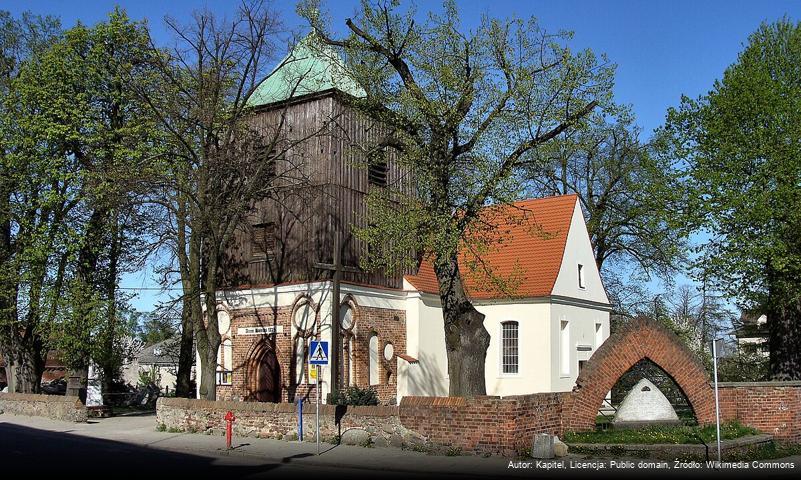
{"x": 263, "y": 374}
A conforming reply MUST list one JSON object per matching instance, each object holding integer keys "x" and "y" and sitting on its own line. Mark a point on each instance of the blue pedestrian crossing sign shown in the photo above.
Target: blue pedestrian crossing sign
{"x": 318, "y": 352}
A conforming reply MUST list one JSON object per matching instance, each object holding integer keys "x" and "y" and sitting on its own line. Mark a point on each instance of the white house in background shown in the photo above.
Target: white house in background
{"x": 752, "y": 333}
{"x": 540, "y": 337}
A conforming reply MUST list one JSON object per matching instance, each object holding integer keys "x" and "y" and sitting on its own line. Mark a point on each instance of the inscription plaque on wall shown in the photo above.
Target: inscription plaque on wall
{"x": 260, "y": 330}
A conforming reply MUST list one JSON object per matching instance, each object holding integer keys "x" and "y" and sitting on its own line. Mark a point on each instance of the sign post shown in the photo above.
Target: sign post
{"x": 717, "y": 401}
{"x": 318, "y": 356}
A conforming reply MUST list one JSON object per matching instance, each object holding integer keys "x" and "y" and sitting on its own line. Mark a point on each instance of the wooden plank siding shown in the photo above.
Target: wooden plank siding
{"x": 307, "y": 216}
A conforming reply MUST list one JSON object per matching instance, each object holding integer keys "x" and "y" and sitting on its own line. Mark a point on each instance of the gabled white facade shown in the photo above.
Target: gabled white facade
{"x": 549, "y": 355}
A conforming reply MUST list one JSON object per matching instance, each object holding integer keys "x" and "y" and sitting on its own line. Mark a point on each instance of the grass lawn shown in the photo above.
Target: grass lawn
{"x": 662, "y": 434}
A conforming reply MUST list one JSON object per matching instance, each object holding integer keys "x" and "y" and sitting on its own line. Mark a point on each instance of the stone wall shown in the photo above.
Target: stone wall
{"x": 376, "y": 425}
{"x": 482, "y": 425}
{"x": 57, "y": 407}
{"x": 771, "y": 407}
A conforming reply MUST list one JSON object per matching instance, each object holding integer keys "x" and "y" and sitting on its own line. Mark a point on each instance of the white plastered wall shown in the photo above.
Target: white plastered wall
{"x": 578, "y": 250}
{"x": 582, "y": 341}
{"x": 534, "y": 350}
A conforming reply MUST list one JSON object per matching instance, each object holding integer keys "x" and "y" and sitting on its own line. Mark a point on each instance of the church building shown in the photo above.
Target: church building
{"x": 280, "y": 269}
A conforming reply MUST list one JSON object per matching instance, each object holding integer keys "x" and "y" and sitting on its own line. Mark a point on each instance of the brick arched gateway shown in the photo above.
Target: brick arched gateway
{"x": 641, "y": 338}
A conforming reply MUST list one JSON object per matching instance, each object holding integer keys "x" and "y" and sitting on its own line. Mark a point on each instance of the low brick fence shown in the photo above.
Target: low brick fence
{"x": 484, "y": 425}
{"x": 57, "y": 407}
{"x": 480, "y": 425}
{"x": 770, "y": 407}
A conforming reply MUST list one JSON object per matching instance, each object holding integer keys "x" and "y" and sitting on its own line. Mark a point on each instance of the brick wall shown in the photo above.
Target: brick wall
{"x": 494, "y": 425}
{"x": 640, "y": 338}
{"x": 57, "y": 407}
{"x": 389, "y": 325}
{"x": 771, "y": 407}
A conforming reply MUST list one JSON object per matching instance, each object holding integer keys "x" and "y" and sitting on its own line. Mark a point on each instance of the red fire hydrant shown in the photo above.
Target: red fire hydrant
{"x": 229, "y": 426}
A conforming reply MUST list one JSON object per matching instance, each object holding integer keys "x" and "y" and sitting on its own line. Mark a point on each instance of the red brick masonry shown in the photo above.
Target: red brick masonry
{"x": 770, "y": 407}
{"x": 506, "y": 425}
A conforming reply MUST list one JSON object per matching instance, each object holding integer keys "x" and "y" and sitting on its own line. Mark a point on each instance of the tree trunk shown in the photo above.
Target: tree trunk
{"x": 183, "y": 382}
{"x": 466, "y": 338}
{"x": 186, "y": 354}
{"x": 784, "y": 325}
{"x": 28, "y": 367}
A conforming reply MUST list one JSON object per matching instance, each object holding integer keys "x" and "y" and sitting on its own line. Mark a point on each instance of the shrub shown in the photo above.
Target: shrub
{"x": 353, "y": 396}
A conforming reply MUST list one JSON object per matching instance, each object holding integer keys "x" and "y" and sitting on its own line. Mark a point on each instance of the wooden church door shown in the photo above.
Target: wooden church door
{"x": 269, "y": 378}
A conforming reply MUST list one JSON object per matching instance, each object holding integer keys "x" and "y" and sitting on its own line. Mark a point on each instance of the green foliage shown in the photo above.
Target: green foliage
{"x": 152, "y": 327}
{"x": 663, "y": 434}
{"x": 353, "y": 396}
{"x": 460, "y": 107}
{"x": 75, "y": 141}
{"x": 744, "y": 366}
{"x": 628, "y": 194}
{"x": 741, "y": 145}
{"x": 148, "y": 378}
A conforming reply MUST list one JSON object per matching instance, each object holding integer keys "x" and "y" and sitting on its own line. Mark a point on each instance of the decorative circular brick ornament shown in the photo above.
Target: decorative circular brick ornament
{"x": 389, "y": 351}
{"x": 345, "y": 317}
{"x": 304, "y": 317}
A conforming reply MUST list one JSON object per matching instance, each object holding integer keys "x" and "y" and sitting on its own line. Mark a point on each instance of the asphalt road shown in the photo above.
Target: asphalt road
{"x": 28, "y": 451}
{"x": 121, "y": 448}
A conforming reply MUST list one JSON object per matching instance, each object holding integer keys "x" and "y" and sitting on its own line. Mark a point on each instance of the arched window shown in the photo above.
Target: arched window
{"x": 346, "y": 323}
{"x": 509, "y": 348}
{"x": 300, "y": 360}
{"x": 225, "y": 362}
{"x": 373, "y": 354}
{"x": 228, "y": 355}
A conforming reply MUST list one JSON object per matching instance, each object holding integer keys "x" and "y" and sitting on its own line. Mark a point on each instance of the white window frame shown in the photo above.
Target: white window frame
{"x": 501, "y": 373}
{"x": 564, "y": 348}
{"x": 582, "y": 283}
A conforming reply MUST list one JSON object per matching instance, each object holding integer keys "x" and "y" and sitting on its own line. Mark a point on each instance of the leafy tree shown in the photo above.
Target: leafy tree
{"x": 77, "y": 146}
{"x": 629, "y": 197}
{"x": 35, "y": 198}
{"x": 463, "y": 111}
{"x": 154, "y": 327}
{"x": 741, "y": 143}
{"x": 219, "y": 166}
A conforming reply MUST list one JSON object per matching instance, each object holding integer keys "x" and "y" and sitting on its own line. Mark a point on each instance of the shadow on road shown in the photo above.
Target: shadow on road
{"x": 30, "y": 451}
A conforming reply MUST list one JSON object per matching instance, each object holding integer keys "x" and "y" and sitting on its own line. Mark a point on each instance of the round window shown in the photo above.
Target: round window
{"x": 345, "y": 317}
{"x": 389, "y": 351}
{"x": 304, "y": 316}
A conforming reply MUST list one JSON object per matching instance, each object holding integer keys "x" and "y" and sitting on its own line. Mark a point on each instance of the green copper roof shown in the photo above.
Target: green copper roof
{"x": 307, "y": 69}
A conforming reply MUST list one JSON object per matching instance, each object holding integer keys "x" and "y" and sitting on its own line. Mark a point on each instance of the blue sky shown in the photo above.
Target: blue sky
{"x": 663, "y": 49}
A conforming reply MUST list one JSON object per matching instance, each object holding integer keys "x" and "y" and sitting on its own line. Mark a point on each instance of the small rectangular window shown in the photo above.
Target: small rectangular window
{"x": 581, "y": 276}
{"x": 263, "y": 239}
{"x": 509, "y": 341}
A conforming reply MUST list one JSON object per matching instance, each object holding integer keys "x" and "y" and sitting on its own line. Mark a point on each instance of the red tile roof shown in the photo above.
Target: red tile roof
{"x": 525, "y": 251}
